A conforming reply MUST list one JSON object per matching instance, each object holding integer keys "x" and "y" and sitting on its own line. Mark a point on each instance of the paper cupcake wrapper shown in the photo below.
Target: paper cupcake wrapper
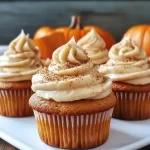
{"x": 14, "y": 103}
{"x": 132, "y": 105}
{"x": 74, "y": 132}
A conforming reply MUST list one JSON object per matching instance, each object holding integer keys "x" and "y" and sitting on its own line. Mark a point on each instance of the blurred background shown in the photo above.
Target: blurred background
{"x": 114, "y": 16}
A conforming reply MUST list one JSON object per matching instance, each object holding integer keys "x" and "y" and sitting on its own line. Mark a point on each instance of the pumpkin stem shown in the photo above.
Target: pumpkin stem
{"x": 76, "y": 22}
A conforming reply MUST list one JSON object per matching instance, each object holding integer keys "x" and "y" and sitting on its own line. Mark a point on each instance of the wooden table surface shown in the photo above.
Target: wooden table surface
{"x": 6, "y": 146}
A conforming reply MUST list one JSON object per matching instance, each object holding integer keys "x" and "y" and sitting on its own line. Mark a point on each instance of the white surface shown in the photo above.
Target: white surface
{"x": 124, "y": 135}
{"x": 3, "y": 48}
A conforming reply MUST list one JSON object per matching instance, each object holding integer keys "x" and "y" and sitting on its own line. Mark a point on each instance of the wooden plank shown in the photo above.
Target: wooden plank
{"x": 116, "y": 17}
{"x": 6, "y": 146}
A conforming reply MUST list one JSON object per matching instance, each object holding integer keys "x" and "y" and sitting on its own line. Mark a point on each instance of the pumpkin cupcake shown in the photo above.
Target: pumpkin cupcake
{"x": 17, "y": 65}
{"x": 95, "y": 47}
{"x": 129, "y": 69}
{"x": 72, "y": 103}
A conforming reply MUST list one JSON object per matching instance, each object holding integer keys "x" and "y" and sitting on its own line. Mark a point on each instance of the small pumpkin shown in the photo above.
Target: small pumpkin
{"x": 77, "y": 30}
{"x": 42, "y": 37}
{"x": 43, "y": 31}
{"x": 49, "y": 43}
{"x": 141, "y": 35}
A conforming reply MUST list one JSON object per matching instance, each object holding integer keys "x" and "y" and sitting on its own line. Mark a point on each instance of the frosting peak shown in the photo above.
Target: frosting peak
{"x": 128, "y": 63}
{"x": 21, "y": 44}
{"x": 69, "y": 52}
{"x": 70, "y": 59}
{"x": 126, "y": 50}
{"x": 20, "y": 61}
{"x": 95, "y": 47}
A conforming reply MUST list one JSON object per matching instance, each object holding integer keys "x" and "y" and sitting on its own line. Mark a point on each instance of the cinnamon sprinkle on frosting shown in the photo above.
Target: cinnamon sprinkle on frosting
{"x": 70, "y": 76}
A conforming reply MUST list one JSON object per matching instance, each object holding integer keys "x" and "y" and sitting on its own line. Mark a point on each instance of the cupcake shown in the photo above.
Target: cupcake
{"x": 17, "y": 65}
{"x": 95, "y": 47}
{"x": 73, "y": 103}
{"x": 129, "y": 69}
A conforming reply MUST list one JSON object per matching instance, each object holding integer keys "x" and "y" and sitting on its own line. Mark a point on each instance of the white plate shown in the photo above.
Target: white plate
{"x": 3, "y": 48}
{"x": 124, "y": 135}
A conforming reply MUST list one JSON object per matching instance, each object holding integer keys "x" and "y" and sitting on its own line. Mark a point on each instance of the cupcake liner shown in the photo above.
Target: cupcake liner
{"x": 74, "y": 132}
{"x": 132, "y": 105}
{"x": 14, "y": 103}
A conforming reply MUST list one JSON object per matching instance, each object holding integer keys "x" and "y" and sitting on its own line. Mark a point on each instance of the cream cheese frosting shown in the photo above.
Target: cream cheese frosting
{"x": 128, "y": 63}
{"x": 21, "y": 60}
{"x": 70, "y": 77}
{"x": 95, "y": 47}
{"x": 46, "y": 62}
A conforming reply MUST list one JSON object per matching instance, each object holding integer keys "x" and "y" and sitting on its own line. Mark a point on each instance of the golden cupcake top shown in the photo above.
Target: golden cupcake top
{"x": 95, "y": 47}
{"x": 70, "y": 77}
{"x": 21, "y": 60}
{"x": 128, "y": 63}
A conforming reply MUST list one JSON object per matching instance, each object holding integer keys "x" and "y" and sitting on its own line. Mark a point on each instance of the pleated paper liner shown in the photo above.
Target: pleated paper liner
{"x": 132, "y": 105}
{"x": 74, "y": 132}
{"x": 15, "y": 103}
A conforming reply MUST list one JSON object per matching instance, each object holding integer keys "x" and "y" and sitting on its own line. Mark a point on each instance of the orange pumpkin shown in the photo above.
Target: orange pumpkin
{"x": 49, "y": 43}
{"x": 43, "y": 31}
{"x": 141, "y": 35}
{"x": 77, "y": 30}
{"x": 42, "y": 37}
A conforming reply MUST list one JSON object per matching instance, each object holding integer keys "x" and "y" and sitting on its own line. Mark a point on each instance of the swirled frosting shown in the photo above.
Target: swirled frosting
{"x": 46, "y": 62}
{"x": 70, "y": 76}
{"x": 20, "y": 61}
{"x": 95, "y": 47}
{"x": 128, "y": 63}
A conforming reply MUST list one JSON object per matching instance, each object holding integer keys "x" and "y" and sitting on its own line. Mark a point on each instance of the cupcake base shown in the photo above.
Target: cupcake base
{"x": 132, "y": 105}
{"x": 79, "y": 124}
{"x": 15, "y": 102}
{"x": 74, "y": 132}
{"x": 132, "y": 102}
